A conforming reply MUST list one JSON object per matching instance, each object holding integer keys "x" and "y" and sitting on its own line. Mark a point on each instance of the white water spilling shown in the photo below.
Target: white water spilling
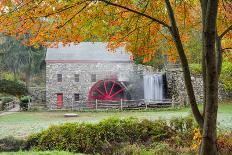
{"x": 153, "y": 87}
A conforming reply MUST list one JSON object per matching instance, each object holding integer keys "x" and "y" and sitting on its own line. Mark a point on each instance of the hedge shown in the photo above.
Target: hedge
{"x": 109, "y": 135}
{"x": 13, "y": 87}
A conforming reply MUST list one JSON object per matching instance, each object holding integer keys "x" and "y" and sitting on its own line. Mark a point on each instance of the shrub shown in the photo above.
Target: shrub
{"x": 106, "y": 137}
{"x": 226, "y": 75}
{"x": 224, "y": 142}
{"x": 8, "y": 76}
{"x": 182, "y": 125}
{"x": 24, "y": 102}
{"x": 5, "y": 100}
{"x": 10, "y": 144}
{"x": 12, "y": 87}
{"x": 183, "y": 128}
{"x": 195, "y": 68}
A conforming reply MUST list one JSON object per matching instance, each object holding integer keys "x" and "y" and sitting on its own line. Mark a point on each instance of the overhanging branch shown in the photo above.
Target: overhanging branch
{"x": 226, "y": 31}
{"x": 137, "y": 12}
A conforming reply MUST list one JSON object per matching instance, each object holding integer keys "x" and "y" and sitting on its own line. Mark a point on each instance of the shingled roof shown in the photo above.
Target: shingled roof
{"x": 86, "y": 51}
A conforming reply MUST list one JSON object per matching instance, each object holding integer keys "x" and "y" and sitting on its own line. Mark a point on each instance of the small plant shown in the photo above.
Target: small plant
{"x": 24, "y": 102}
{"x": 5, "y": 100}
{"x": 224, "y": 143}
{"x": 196, "y": 142}
{"x": 195, "y": 69}
{"x": 11, "y": 144}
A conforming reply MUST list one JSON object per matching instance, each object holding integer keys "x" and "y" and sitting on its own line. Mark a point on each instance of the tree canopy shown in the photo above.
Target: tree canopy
{"x": 142, "y": 25}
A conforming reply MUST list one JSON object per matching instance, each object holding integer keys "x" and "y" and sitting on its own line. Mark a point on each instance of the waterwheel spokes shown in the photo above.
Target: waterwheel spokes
{"x": 112, "y": 88}
{"x": 107, "y": 90}
{"x": 119, "y": 91}
{"x": 105, "y": 86}
{"x": 100, "y": 92}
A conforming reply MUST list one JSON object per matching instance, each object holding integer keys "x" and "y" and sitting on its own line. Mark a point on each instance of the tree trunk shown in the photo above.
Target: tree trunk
{"x": 209, "y": 134}
{"x": 184, "y": 63}
{"x": 219, "y": 55}
{"x": 28, "y": 76}
{"x": 203, "y": 63}
{"x": 28, "y": 71}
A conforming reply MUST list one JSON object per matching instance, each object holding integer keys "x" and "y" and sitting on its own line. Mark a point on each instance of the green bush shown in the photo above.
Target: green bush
{"x": 12, "y": 87}
{"x": 184, "y": 131}
{"x": 226, "y": 75}
{"x": 5, "y": 100}
{"x": 105, "y": 137}
{"x": 24, "y": 102}
{"x": 195, "y": 69}
{"x": 11, "y": 144}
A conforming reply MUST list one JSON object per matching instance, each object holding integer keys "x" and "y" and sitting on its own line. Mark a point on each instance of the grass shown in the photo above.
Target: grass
{"x": 22, "y": 124}
{"x": 40, "y": 153}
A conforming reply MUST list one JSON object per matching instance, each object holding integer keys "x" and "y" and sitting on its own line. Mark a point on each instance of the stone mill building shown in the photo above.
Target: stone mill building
{"x": 75, "y": 72}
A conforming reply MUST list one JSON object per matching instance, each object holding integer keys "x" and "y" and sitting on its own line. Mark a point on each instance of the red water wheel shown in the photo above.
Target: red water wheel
{"x": 108, "y": 90}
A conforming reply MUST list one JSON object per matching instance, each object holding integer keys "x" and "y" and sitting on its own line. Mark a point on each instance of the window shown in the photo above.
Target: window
{"x": 76, "y": 77}
{"x": 59, "y": 77}
{"x": 93, "y": 78}
{"x": 76, "y": 97}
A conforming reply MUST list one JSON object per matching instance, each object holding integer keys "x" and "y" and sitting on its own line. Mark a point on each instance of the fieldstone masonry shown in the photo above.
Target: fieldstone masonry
{"x": 177, "y": 91}
{"x": 124, "y": 71}
{"x": 69, "y": 87}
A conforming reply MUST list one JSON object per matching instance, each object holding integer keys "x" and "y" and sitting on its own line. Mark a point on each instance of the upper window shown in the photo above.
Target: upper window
{"x": 93, "y": 78}
{"x": 59, "y": 77}
{"x": 76, "y": 77}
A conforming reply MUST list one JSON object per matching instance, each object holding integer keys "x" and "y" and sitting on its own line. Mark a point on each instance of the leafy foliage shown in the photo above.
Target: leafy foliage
{"x": 12, "y": 87}
{"x": 24, "y": 102}
{"x": 80, "y": 20}
{"x": 5, "y": 100}
{"x": 19, "y": 61}
{"x": 11, "y": 144}
{"x": 195, "y": 69}
{"x": 226, "y": 75}
{"x": 224, "y": 142}
{"x": 105, "y": 137}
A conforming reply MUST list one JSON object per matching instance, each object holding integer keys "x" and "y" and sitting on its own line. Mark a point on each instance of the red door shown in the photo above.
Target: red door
{"x": 59, "y": 100}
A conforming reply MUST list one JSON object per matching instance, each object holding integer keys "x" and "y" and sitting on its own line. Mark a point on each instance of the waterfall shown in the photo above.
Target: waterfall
{"x": 153, "y": 87}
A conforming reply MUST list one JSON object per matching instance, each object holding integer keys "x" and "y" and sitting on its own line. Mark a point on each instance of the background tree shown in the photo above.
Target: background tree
{"x": 137, "y": 24}
{"x": 21, "y": 60}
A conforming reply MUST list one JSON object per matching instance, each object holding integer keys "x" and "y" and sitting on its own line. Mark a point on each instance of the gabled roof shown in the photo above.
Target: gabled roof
{"x": 86, "y": 52}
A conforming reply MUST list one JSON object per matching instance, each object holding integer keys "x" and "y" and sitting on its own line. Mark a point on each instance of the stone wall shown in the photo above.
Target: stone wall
{"x": 177, "y": 91}
{"x": 38, "y": 94}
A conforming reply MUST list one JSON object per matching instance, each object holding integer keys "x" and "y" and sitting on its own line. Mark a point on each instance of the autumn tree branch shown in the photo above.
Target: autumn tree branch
{"x": 137, "y": 12}
{"x": 226, "y": 31}
{"x": 73, "y": 16}
{"x": 187, "y": 78}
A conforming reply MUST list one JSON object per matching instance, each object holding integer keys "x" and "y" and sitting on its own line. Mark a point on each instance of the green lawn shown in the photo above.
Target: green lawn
{"x": 22, "y": 124}
{"x": 40, "y": 153}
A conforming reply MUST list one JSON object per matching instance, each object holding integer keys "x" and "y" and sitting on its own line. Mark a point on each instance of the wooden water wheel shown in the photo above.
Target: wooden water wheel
{"x": 108, "y": 90}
